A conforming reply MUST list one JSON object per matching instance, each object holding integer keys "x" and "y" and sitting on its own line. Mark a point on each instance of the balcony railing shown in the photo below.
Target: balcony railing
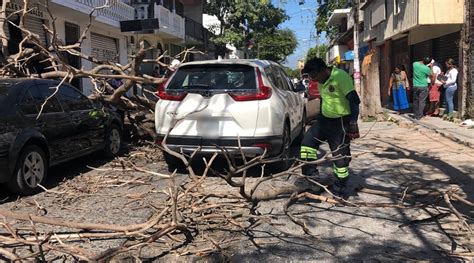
{"x": 170, "y": 23}
{"x": 117, "y": 11}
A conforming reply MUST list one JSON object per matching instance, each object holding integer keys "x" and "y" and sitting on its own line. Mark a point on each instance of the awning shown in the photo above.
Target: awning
{"x": 349, "y": 55}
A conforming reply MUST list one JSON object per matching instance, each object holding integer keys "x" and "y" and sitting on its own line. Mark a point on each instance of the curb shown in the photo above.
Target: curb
{"x": 407, "y": 119}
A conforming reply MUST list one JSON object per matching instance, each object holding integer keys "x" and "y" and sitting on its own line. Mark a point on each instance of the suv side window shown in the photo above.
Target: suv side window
{"x": 285, "y": 79}
{"x": 27, "y": 104}
{"x": 271, "y": 74}
{"x": 40, "y": 93}
{"x": 282, "y": 84}
{"x": 74, "y": 99}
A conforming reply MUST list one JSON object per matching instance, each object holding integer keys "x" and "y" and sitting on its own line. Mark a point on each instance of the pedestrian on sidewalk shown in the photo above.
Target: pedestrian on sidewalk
{"x": 337, "y": 123}
{"x": 421, "y": 72}
{"x": 450, "y": 86}
{"x": 398, "y": 84}
{"x": 435, "y": 90}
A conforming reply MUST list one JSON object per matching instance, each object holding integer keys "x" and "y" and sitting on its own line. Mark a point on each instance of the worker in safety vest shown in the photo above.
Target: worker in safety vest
{"x": 337, "y": 123}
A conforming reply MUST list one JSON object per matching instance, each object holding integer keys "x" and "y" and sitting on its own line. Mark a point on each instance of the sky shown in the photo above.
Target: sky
{"x": 301, "y": 21}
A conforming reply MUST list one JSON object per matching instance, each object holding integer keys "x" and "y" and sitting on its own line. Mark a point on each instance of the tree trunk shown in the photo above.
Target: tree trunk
{"x": 468, "y": 60}
{"x": 370, "y": 90}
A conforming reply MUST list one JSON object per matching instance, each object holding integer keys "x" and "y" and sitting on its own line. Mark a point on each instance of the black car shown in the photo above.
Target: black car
{"x": 41, "y": 126}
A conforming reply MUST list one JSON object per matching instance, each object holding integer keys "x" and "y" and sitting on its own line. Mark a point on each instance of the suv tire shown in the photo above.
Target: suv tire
{"x": 173, "y": 163}
{"x": 30, "y": 171}
{"x": 285, "y": 154}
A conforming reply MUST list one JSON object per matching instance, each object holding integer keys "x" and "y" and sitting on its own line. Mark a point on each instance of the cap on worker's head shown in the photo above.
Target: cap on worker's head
{"x": 314, "y": 65}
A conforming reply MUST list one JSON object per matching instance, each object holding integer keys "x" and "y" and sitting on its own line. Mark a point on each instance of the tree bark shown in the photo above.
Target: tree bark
{"x": 370, "y": 91}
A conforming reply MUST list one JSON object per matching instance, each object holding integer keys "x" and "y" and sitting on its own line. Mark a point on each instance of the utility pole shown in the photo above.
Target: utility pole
{"x": 356, "y": 48}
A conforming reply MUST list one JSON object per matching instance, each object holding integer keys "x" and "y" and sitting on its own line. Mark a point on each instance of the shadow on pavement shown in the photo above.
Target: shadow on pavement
{"x": 64, "y": 171}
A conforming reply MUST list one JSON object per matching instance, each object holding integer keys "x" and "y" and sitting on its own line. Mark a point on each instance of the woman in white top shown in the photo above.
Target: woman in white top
{"x": 450, "y": 86}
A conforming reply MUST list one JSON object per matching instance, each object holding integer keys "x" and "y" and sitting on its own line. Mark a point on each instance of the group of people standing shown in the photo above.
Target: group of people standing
{"x": 428, "y": 82}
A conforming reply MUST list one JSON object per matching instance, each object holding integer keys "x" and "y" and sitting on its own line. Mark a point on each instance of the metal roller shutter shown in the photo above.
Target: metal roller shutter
{"x": 421, "y": 50}
{"x": 104, "y": 48}
{"x": 33, "y": 24}
{"x": 447, "y": 47}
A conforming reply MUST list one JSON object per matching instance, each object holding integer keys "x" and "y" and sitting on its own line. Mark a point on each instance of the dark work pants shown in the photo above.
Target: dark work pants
{"x": 420, "y": 94}
{"x": 331, "y": 131}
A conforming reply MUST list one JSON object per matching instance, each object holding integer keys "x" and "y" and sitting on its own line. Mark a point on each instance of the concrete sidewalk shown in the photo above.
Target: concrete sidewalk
{"x": 451, "y": 130}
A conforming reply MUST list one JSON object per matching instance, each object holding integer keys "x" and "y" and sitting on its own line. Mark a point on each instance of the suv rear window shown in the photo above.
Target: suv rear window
{"x": 214, "y": 77}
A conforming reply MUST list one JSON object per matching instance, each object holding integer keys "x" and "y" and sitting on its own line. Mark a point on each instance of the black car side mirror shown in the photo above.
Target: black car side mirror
{"x": 299, "y": 88}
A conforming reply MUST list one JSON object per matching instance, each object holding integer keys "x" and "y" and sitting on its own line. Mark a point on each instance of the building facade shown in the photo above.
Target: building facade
{"x": 404, "y": 31}
{"x": 115, "y": 31}
{"x": 103, "y": 41}
{"x": 169, "y": 25}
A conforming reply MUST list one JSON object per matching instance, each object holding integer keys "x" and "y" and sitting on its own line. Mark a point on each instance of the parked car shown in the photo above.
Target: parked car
{"x": 69, "y": 126}
{"x": 313, "y": 101}
{"x": 221, "y": 102}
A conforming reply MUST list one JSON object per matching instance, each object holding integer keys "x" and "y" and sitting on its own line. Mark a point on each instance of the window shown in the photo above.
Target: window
{"x": 28, "y": 104}
{"x": 215, "y": 77}
{"x": 378, "y": 15}
{"x": 279, "y": 80}
{"x": 73, "y": 99}
{"x": 43, "y": 91}
{"x": 396, "y": 7}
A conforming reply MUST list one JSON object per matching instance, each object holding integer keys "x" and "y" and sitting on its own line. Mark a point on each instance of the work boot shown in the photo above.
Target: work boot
{"x": 339, "y": 187}
{"x": 305, "y": 184}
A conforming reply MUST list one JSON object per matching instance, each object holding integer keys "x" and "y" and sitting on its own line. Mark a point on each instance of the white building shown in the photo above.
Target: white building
{"x": 212, "y": 24}
{"x": 104, "y": 40}
{"x": 170, "y": 25}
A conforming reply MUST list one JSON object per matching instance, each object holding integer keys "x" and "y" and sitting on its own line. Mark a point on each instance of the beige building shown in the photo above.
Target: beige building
{"x": 403, "y": 31}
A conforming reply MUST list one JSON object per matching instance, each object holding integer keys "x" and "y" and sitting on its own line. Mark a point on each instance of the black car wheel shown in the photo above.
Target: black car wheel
{"x": 30, "y": 171}
{"x": 113, "y": 141}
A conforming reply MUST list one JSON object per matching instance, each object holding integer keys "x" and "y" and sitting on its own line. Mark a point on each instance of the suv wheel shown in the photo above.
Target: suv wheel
{"x": 30, "y": 171}
{"x": 299, "y": 139}
{"x": 285, "y": 154}
{"x": 113, "y": 141}
{"x": 173, "y": 163}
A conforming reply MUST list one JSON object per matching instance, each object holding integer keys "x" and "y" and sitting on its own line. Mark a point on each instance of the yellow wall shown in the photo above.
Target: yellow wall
{"x": 441, "y": 12}
{"x": 426, "y": 32}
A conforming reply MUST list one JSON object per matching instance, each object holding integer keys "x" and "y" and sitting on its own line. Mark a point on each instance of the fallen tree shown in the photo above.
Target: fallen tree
{"x": 188, "y": 214}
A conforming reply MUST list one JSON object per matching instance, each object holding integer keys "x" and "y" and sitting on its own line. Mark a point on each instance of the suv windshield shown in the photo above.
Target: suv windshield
{"x": 214, "y": 77}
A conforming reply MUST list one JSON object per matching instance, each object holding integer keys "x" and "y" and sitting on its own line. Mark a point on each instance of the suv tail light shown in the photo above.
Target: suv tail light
{"x": 263, "y": 93}
{"x": 174, "y": 96}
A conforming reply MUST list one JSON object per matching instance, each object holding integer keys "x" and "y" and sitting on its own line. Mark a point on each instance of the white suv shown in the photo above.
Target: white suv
{"x": 210, "y": 105}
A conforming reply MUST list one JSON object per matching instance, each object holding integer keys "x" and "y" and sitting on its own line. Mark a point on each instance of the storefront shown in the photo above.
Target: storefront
{"x": 104, "y": 48}
{"x": 440, "y": 49}
{"x": 33, "y": 22}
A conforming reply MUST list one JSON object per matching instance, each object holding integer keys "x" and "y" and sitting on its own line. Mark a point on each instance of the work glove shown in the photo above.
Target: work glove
{"x": 352, "y": 130}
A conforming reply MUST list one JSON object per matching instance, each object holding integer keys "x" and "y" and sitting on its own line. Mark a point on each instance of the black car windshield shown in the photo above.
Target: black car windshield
{"x": 214, "y": 77}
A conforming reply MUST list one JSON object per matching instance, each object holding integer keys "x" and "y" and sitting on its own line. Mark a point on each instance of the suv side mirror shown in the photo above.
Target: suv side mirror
{"x": 299, "y": 88}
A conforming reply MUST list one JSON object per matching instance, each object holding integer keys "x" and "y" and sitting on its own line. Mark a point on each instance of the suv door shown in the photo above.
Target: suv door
{"x": 89, "y": 129}
{"x": 294, "y": 99}
{"x": 53, "y": 122}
